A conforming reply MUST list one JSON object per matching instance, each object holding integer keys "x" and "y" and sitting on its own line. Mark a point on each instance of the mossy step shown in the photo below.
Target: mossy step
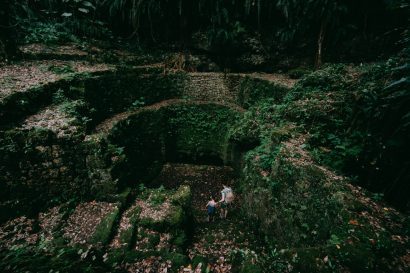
{"x": 126, "y": 228}
{"x": 91, "y": 223}
{"x": 164, "y": 209}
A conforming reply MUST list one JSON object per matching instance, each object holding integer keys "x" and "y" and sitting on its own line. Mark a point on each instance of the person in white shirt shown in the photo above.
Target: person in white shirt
{"x": 226, "y": 200}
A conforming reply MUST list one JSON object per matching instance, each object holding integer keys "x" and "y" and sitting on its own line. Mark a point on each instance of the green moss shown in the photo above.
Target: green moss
{"x": 250, "y": 268}
{"x": 198, "y": 132}
{"x": 283, "y": 132}
{"x": 126, "y": 236}
{"x": 117, "y": 92}
{"x": 298, "y": 73}
{"x": 358, "y": 258}
{"x": 252, "y": 91}
{"x": 245, "y": 262}
{"x": 182, "y": 196}
{"x": 180, "y": 239}
{"x": 176, "y": 217}
{"x": 177, "y": 259}
{"x": 124, "y": 196}
{"x": 104, "y": 229}
{"x": 200, "y": 260}
{"x": 300, "y": 195}
{"x": 153, "y": 241}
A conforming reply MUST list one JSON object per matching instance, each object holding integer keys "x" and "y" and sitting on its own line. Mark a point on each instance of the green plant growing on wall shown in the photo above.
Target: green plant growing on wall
{"x": 138, "y": 103}
{"x": 61, "y": 69}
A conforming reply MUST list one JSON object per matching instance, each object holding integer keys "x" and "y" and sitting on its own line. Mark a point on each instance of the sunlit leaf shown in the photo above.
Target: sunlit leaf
{"x": 88, "y": 4}
{"x": 83, "y": 10}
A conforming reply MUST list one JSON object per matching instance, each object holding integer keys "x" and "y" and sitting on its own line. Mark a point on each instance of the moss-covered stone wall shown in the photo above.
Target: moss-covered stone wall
{"x": 176, "y": 133}
{"x": 37, "y": 168}
{"x": 42, "y": 166}
{"x": 198, "y": 133}
{"x": 21, "y": 104}
{"x": 114, "y": 91}
{"x": 110, "y": 94}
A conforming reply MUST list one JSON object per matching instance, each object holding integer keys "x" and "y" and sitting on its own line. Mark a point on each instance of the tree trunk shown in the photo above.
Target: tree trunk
{"x": 365, "y": 20}
{"x": 8, "y": 46}
{"x": 319, "y": 54}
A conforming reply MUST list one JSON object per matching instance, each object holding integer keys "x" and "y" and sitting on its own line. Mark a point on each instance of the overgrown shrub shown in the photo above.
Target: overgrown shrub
{"x": 49, "y": 33}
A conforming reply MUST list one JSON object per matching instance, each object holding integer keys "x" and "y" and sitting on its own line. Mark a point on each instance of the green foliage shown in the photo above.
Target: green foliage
{"x": 198, "y": 133}
{"x": 103, "y": 231}
{"x": 356, "y": 116}
{"x": 56, "y": 22}
{"x": 61, "y": 69}
{"x": 244, "y": 261}
{"x": 182, "y": 196}
{"x": 61, "y": 259}
{"x": 342, "y": 151}
{"x": 342, "y": 110}
{"x": 180, "y": 239}
{"x": 298, "y": 73}
{"x": 80, "y": 17}
{"x": 289, "y": 26}
{"x": 224, "y": 35}
{"x": 177, "y": 259}
{"x": 253, "y": 91}
{"x": 138, "y": 103}
{"x": 48, "y": 33}
{"x": 118, "y": 92}
{"x": 302, "y": 206}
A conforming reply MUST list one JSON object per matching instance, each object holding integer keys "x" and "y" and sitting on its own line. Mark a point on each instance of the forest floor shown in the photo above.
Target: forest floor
{"x": 23, "y": 75}
{"x": 42, "y": 64}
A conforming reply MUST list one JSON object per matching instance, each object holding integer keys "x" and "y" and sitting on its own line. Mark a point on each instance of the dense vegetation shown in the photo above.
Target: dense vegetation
{"x": 313, "y": 31}
{"x": 118, "y": 119}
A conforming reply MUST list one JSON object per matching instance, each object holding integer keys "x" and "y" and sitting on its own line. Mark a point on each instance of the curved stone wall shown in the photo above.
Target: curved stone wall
{"x": 181, "y": 132}
{"x": 119, "y": 126}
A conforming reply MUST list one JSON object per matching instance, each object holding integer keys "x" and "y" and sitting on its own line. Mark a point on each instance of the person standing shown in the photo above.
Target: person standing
{"x": 211, "y": 209}
{"x": 227, "y": 198}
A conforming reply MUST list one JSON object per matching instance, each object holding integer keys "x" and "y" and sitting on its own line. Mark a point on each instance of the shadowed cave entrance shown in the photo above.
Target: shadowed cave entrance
{"x": 196, "y": 134}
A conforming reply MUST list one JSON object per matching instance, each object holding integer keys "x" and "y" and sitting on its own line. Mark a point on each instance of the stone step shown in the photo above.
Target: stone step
{"x": 91, "y": 223}
{"x": 151, "y": 219}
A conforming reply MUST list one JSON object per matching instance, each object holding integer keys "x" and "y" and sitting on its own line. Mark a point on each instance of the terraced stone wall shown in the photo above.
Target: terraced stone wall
{"x": 18, "y": 105}
{"x": 240, "y": 89}
{"x": 45, "y": 154}
{"x": 112, "y": 91}
{"x": 212, "y": 87}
